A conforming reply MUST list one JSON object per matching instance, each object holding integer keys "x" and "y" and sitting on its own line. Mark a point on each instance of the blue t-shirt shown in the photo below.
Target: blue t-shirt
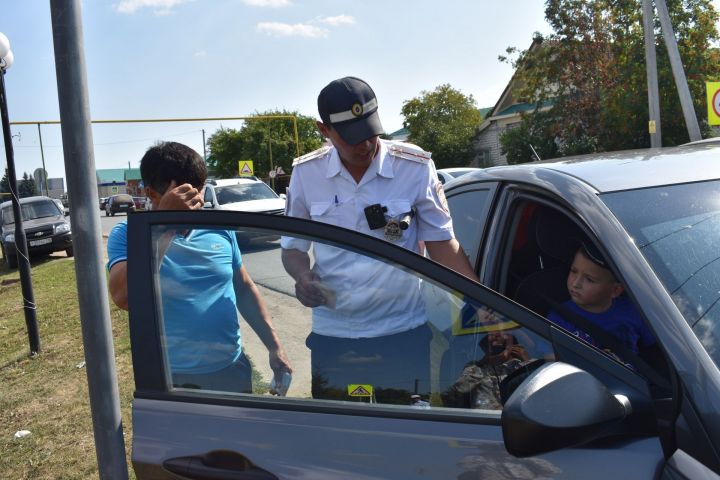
{"x": 621, "y": 320}
{"x": 200, "y": 317}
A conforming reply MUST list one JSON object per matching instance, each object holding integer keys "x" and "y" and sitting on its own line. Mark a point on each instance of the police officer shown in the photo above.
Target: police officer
{"x": 382, "y": 188}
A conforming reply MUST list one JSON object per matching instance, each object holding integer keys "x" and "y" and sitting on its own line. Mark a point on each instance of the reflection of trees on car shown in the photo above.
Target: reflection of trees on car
{"x": 243, "y": 193}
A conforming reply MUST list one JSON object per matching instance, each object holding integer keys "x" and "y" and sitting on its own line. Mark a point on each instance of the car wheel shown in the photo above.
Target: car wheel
{"x": 69, "y": 252}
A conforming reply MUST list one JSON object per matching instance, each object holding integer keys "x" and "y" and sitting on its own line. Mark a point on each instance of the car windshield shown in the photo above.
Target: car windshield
{"x": 677, "y": 228}
{"x": 243, "y": 192}
{"x": 31, "y": 211}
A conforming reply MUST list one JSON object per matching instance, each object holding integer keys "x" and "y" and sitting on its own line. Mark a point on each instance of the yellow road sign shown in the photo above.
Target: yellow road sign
{"x": 713, "y": 99}
{"x": 357, "y": 390}
{"x": 245, "y": 167}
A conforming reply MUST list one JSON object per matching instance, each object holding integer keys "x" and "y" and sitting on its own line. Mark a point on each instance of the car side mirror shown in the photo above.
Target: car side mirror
{"x": 559, "y": 406}
{"x": 208, "y": 205}
{"x": 66, "y": 212}
{"x": 283, "y": 196}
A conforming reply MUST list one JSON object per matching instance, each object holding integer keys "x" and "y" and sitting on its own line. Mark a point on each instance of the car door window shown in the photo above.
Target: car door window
{"x": 385, "y": 334}
{"x": 469, "y": 210}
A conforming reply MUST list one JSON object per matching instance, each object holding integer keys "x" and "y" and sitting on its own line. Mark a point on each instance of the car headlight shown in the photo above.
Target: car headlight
{"x": 62, "y": 228}
{"x": 10, "y": 237}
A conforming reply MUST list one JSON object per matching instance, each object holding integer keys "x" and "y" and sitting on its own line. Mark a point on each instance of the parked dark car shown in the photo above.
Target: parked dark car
{"x": 567, "y": 409}
{"x": 119, "y": 203}
{"x": 46, "y": 228}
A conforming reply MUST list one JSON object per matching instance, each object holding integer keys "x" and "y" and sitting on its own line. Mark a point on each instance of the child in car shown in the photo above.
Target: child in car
{"x": 596, "y": 294}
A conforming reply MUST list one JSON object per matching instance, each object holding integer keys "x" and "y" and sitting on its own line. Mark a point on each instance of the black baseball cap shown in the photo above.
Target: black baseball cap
{"x": 349, "y": 106}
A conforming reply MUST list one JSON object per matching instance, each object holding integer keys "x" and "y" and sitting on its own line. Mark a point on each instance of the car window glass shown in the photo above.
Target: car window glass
{"x": 243, "y": 192}
{"x": 208, "y": 195}
{"x": 469, "y": 211}
{"x": 676, "y": 229}
{"x": 439, "y": 349}
{"x": 32, "y": 211}
{"x": 558, "y": 272}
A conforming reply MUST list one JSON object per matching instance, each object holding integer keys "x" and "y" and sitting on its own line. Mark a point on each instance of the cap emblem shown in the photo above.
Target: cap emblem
{"x": 357, "y": 109}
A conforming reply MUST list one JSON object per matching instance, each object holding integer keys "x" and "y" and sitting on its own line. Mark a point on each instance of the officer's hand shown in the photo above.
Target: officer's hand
{"x": 181, "y": 197}
{"x": 306, "y": 291}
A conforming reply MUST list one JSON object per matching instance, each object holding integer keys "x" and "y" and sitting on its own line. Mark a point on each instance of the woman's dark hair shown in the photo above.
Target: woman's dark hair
{"x": 168, "y": 161}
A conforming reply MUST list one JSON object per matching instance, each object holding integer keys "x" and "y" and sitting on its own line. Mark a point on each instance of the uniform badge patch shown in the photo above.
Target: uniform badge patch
{"x": 441, "y": 196}
{"x": 393, "y": 233}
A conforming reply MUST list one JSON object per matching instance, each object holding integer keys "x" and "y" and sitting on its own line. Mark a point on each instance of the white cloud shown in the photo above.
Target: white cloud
{"x": 200, "y": 53}
{"x": 268, "y": 3}
{"x": 291, "y": 30}
{"x": 160, "y": 7}
{"x": 337, "y": 20}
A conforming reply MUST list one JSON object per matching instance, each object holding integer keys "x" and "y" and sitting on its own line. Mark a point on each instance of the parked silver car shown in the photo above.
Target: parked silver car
{"x": 46, "y": 228}
{"x": 567, "y": 409}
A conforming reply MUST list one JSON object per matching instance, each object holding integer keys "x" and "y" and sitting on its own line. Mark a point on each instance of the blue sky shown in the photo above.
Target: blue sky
{"x": 221, "y": 58}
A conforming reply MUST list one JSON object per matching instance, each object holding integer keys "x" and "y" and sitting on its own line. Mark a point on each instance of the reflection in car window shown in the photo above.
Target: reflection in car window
{"x": 243, "y": 193}
{"x": 458, "y": 357}
{"x": 469, "y": 211}
{"x": 676, "y": 228}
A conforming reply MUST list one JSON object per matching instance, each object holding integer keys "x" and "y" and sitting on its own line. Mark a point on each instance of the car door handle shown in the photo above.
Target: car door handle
{"x": 217, "y": 465}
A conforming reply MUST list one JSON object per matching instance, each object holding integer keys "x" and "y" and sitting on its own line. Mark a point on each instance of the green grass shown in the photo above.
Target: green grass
{"x": 47, "y": 394}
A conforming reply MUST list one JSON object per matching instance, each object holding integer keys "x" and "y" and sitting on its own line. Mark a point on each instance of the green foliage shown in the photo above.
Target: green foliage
{"x": 443, "y": 122}
{"x": 261, "y": 140}
{"x": 27, "y": 187}
{"x": 533, "y": 133}
{"x": 593, "y": 68}
{"x": 5, "y": 183}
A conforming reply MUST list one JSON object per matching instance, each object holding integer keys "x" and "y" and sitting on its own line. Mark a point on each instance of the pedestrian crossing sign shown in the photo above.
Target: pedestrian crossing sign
{"x": 355, "y": 390}
{"x": 245, "y": 167}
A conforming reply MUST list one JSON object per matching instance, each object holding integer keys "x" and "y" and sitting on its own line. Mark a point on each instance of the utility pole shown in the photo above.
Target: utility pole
{"x": 66, "y": 17}
{"x": 678, "y": 72}
{"x": 21, "y": 251}
{"x": 204, "y": 151}
{"x": 652, "y": 79}
{"x": 42, "y": 156}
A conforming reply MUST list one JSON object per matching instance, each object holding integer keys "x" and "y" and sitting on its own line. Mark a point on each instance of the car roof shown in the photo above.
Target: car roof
{"x": 623, "y": 170}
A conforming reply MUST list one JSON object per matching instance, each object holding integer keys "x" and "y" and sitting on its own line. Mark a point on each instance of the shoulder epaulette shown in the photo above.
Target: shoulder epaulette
{"x": 408, "y": 151}
{"x": 319, "y": 153}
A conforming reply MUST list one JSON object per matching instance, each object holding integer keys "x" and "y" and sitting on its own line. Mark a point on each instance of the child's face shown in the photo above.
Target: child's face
{"x": 591, "y": 286}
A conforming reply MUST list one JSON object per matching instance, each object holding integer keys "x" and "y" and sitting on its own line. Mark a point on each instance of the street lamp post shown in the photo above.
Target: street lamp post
{"x": 21, "y": 253}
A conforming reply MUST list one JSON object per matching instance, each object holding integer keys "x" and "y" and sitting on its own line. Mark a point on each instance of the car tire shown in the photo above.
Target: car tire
{"x": 69, "y": 252}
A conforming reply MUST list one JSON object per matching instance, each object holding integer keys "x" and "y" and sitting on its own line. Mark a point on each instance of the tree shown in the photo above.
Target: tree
{"x": 5, "y": 183}
{"x": 27, "y": 186}
{"x": 592, "y": 70}
{"x": 443, "y": 122}
{"x": 258, "y": 140}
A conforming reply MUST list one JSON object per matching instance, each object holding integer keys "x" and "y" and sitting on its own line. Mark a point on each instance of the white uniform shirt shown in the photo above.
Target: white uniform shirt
{"x": 372, "y": 298}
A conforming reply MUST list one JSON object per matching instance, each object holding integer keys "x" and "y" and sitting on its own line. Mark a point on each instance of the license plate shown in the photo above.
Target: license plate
{"x": 44, "y": 241}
